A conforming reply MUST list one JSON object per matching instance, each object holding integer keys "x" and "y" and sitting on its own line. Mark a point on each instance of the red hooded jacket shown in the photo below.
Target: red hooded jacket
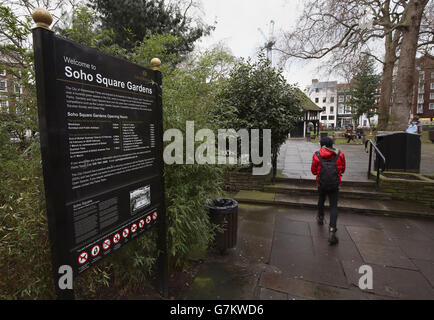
{"x": 327, "y": 153}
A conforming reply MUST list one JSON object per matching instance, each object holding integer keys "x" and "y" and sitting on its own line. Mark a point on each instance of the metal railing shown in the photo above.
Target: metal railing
{"x": 377, "y": 152}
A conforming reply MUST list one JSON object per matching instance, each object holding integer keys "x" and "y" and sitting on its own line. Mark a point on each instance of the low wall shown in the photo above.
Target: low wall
{"x": 241, "y": 180}
{"x": 420, "y": 190}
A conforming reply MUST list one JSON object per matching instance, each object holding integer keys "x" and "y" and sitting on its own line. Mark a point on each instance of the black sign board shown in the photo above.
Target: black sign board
{"x": 100, "y": 121}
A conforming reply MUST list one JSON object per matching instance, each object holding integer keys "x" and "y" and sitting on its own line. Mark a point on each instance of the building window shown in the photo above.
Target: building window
{"x": 422, "y": 75}
{"x": 323, "y": 117}
{"x": 341, "y": 98}
{"x": 331, "y": 117}
{"x": 420, "y": 108}
{"x": 431, "y": 106}
{"x": 420, "y": 98}
{"x": 316, "y": 90}
{"x": 431, "y": 96}
{"x": 421, "y": 88}
{"x": 2, "y": 72}
{"x": 3, "y": 85}
{"x": 316, "y": 100}
{"x": 18, "y": 89}
{"x": 432, "y": 75}
{"x": 324, "y": 109}
{"x": 332, "y": 109}
{"x": 324, "y": 100}
{"x": 432, "y": 86}
{"x": 4, "y": 104}
{"x": 332, "y": 99}
{"x": 341, "y": 109}
{"x": 365, "y": 123}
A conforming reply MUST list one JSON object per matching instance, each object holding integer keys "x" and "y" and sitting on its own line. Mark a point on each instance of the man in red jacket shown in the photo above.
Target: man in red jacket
{"x": 328, "y": 164}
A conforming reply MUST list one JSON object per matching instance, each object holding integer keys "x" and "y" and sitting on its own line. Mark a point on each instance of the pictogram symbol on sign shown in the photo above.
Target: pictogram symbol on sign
{"x": 116, "y": 238}
{"x": 155, "y": 215}
{"x": 106, "y": 244}
{"x": 82, "y": 258}
{"x": 125, "y": 233}
{"x": 133, "y": 228}
{"x": 148, "y": 219}
{"x": 95, "y": 250}
{"x": 141, "y": 224}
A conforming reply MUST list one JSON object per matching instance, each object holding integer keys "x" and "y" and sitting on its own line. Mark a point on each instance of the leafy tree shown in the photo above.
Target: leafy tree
{"x": 187, "y": 94}
{"x": 135, "y": 20}
{"x": 364, "y": 89}
{"x": 256, "y": 96}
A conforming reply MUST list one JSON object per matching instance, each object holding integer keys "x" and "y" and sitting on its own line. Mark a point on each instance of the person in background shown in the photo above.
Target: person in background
{"x": 349, "y": 134}
{"x": 414, "y": 126}
{"x": 360, "y": 134}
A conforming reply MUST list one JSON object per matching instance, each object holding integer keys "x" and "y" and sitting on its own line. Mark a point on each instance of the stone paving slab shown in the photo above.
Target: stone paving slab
{"x": 370, "y": 236}
{"x": 391, "y": 256}
{"x": 345, "y": 250}
{"x": 307, "y": 266}
{"x": 417, "y": 249}
{"x": 393, "y": 282}
{"x": 283, "y": 254}
{"x": 426, "y": 268}
{"x": 288, "y": 226}
{"x": 310, "y": 290}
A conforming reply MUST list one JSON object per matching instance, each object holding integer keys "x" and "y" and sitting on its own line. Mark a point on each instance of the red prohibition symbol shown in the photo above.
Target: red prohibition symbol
{"x": 148, "y": 219}
{"x": 125, "y": 233}
{"x": 106, "y": 244}
{"x": 95, "y": 250}
{"x": 141, "y": 224}
{"x": 82, "y": 258}
{"x": 155, "y": 215}
{"x": 116, "y": 238}
{"x": 133, "y": 228}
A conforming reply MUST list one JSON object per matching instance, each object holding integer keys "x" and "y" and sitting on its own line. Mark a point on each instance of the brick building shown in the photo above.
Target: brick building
{"x": 423, "y": 95}
{"x": 11, "y": 89}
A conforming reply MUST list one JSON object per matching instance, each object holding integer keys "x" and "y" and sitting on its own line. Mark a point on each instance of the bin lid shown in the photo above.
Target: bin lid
{"x": 390, "y": 133}
{"x": 221, "y": 204}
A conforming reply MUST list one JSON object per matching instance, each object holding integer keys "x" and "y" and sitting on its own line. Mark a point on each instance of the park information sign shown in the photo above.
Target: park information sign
{"x": 100, "y": 121}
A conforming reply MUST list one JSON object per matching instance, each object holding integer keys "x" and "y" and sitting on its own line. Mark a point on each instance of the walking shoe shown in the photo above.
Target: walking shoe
{"x": 332, "y": 236}
{"x": 320, "y": 220}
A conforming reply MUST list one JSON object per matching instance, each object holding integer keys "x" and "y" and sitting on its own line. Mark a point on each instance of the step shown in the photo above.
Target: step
{"x": 378, "y": 207}
{"x": 350, "y": 192}
{"x": 310, "y": 180}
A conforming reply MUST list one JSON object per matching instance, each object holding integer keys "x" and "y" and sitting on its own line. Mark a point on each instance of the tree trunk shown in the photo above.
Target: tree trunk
{"x": 391, "y": 45}
{"x": 400, "y": 115}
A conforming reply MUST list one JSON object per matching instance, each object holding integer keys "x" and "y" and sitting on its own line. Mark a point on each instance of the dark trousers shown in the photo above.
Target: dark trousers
{"x": 333, "y": 200}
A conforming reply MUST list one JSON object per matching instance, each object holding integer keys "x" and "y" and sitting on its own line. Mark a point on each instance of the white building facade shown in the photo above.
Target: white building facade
{"x": 324, "y": 94}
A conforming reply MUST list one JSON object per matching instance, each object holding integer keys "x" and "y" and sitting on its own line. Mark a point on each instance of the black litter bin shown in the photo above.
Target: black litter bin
{"x": 401, "y": 150}
{"x": 224, "y": 213}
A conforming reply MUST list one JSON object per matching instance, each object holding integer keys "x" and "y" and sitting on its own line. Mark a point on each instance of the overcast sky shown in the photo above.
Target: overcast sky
{"x": 237, "y": 27}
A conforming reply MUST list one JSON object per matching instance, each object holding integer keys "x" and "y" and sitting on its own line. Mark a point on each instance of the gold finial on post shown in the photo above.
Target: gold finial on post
{"x": 42, "y": 18}
{"x": 156, "y": 63}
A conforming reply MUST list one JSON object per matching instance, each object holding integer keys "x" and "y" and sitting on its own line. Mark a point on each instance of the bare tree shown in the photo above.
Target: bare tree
{"x": 410, "y": 28}
{"x": 59, "y": 9}
{"x": 342, "y": 29}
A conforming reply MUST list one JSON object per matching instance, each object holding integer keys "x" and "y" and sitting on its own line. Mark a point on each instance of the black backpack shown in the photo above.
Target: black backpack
{"x": 328, "y": 176}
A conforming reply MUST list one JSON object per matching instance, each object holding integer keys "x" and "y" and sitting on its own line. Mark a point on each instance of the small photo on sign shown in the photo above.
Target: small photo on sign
{"x": 140, "y": 198}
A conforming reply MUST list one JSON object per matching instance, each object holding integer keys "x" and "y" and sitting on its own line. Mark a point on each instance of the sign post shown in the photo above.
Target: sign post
{"x": 101, "y": 132}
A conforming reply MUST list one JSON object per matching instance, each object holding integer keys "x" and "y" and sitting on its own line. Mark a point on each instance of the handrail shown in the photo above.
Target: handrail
{"x": 372, "y": 144}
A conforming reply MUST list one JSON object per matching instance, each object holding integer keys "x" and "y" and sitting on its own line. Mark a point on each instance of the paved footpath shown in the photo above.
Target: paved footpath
{"x": 283, "y": 254}
{"x": 295, "y": 159}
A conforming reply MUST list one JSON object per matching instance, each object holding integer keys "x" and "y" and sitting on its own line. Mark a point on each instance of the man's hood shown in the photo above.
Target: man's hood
{"x": 327, "y": 153}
